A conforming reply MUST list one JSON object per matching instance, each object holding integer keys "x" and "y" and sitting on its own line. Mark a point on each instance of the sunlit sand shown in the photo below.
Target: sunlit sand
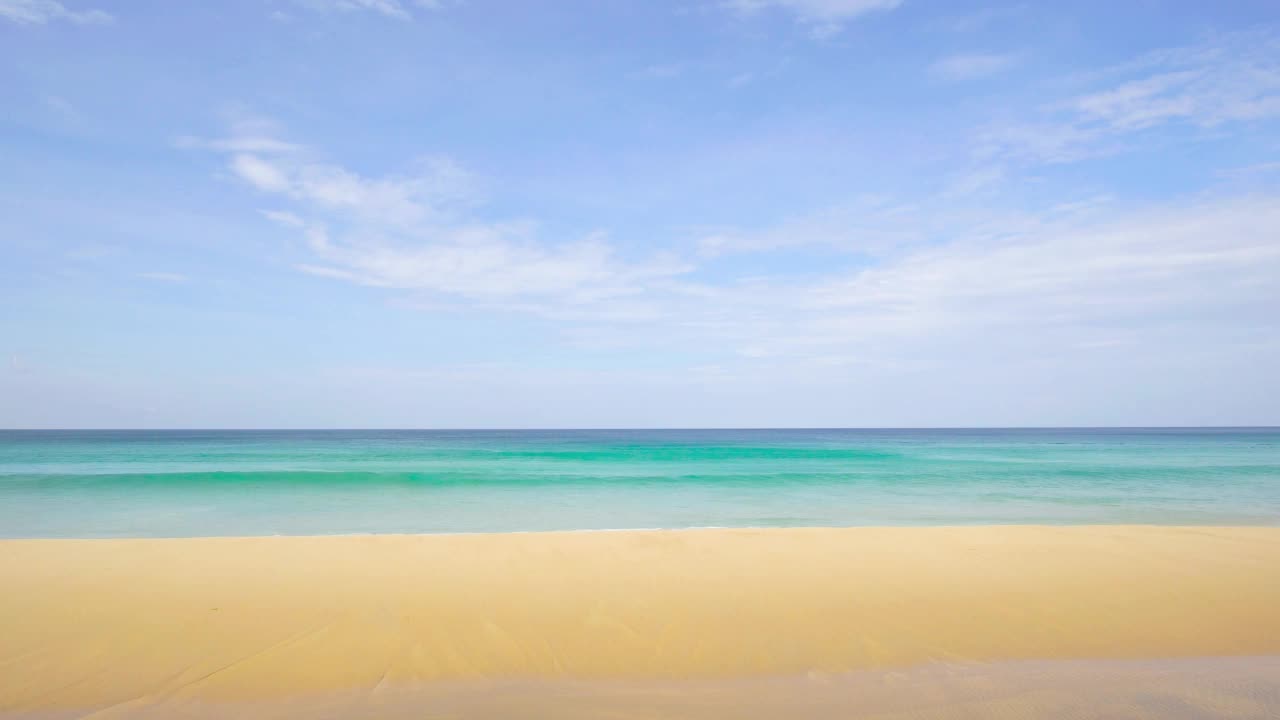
{"x": 645, "y": 624}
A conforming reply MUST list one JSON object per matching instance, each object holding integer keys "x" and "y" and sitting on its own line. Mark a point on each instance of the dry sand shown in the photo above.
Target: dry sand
{"x": 146, "y": 628}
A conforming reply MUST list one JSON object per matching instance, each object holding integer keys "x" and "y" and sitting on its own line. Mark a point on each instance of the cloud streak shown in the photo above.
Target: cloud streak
{"x": 43, "y": 12}
{"x": 1049, "y": 280}
{"x": 971, "y": 66}
{"x": 917, "y": 274}
{"x": 396, "y": 9}
{"x": 823, "y": 18}
{"x": 417, "y": 232}
{"x": 1232, "y": 79}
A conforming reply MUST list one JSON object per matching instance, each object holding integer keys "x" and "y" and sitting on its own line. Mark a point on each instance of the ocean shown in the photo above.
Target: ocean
{"x": 140, "y": 483}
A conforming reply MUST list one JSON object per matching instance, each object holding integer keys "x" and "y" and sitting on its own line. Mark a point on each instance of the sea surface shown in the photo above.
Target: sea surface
{"x": 203, "y": 483}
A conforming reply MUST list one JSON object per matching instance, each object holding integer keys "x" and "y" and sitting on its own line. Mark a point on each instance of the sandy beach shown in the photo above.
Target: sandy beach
{"x": 132, "y": 627}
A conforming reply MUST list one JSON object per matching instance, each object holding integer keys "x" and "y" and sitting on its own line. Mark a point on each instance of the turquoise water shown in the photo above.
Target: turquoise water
{"x": 192, "y": 483}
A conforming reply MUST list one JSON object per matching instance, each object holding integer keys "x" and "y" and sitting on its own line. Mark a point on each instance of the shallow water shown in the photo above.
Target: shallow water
{"x": 194, "y": 483}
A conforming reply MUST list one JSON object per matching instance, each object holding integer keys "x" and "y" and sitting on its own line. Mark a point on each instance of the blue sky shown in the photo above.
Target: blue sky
{"x": 463, "y": 213}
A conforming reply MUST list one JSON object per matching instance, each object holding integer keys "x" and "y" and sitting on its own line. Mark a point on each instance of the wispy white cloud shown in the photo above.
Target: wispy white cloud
{"x": 416, "y": 232}
{"x": 1219, "y": 91}
{"x": 917, "y": 273}
{"x": 246, "y": 143}
{"x": 1251, "y": 170}
{"x": 1047, "y": 281}
{"x": 429, "y": 195}
{"x": 398, "y": 9}
{"x": 260, "y": 173}
{"x": 488, "y": 263}
{"x": 972, "y": 65}
{"x": 41, "y": 12}
{"x": 1108, "y": 268}
{"x": 822, "y": 17}
{"x": 1233, "y": 78}
{"x": 284, "y": 218}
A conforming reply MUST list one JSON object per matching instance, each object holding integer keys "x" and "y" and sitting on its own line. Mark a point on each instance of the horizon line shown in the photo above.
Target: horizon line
{"x": 638, "y": 428}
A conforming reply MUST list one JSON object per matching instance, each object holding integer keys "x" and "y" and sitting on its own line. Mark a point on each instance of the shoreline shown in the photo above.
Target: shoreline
{"x": 675, "y": 529}
{"x": 90, "y": 623}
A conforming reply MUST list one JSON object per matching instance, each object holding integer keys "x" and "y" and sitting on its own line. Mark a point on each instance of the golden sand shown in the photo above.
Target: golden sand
{"x": 131, "y": 623}
{"x": 1196, "y": 689}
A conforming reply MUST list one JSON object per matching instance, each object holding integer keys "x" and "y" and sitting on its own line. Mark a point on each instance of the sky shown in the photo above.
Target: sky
{"x": 697, "y": 213}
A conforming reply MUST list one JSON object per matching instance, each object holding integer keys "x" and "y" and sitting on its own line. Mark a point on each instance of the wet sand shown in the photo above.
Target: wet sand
{"x": 1186, "y": 689}
{"x": 706, "y": 623}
